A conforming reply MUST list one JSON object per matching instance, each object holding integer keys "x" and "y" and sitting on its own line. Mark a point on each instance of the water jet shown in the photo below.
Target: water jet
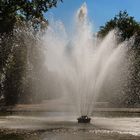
{"x": 75, "y": 71}
{"x": 81, "y": 67}
{"x": 77, "y": 67}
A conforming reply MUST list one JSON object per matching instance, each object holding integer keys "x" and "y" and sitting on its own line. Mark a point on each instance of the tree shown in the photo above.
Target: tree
{"x": 27, "y": 10}
{"x": 127, "y": 27}
{"x": 13, "y": 50}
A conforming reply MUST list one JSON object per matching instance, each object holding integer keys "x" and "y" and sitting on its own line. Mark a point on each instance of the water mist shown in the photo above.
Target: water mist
{"x": 75, "y": 69}
{"x": 81, "y": 66}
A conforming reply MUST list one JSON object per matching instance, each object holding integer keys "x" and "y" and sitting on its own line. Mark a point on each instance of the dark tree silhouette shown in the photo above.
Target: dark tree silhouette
{"x": 13, "y": 50}
{"x": 11, "y": 10}
{"x": 127, "y": 27}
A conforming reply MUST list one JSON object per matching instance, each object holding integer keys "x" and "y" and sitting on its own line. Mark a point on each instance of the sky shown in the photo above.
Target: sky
{"x": 99, "y": 11}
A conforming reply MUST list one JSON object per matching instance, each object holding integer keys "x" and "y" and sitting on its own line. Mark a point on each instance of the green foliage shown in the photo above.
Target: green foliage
{"x": 126, "y": 25}
{"x": 14, "y": 71}
{"x": 27, "y": 15}
{"x": 11, "y": 10}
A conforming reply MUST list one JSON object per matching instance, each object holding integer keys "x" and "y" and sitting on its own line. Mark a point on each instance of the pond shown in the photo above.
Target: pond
{"x": 63, "y": 126}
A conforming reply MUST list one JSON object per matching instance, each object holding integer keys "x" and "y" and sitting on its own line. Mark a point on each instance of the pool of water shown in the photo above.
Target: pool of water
{"x": 60, "y": 126}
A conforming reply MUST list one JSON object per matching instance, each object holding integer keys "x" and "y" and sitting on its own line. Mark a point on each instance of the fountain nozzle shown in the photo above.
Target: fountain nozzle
{"x": 84, "y": 119}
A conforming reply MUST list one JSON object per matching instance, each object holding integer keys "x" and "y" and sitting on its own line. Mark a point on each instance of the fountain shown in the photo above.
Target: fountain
{"x": 77, "y": 67}
{"x": 84, "y": 119}
{"x": 80, "y": 66}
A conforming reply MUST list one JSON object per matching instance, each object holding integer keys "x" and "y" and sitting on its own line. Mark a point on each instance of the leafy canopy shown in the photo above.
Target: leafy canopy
{"x": 126, "y": 25}
{"x": 11, "y": 10}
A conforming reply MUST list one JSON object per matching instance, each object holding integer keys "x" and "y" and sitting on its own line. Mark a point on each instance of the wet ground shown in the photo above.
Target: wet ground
{"x": 63, "y": 126}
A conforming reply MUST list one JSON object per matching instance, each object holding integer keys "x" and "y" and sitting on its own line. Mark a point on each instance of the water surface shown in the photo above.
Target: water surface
{"x": 57, "y": 126}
